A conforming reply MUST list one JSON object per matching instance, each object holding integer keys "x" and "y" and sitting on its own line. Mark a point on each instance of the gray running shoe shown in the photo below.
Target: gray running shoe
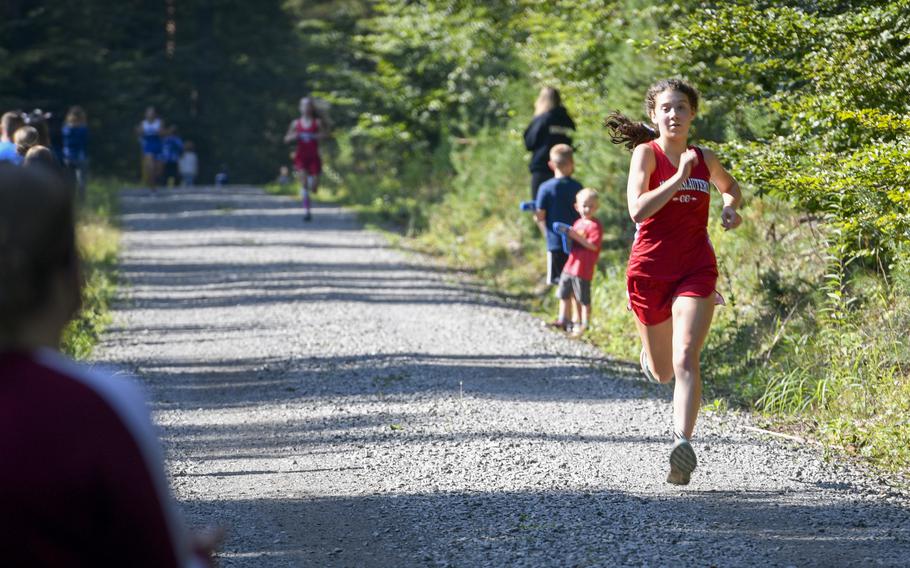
{"x": 682, "y": 462}
{"x": 643, "y": 359}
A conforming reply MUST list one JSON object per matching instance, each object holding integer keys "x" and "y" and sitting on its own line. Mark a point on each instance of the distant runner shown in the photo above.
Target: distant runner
{"x": 307, "y": 131}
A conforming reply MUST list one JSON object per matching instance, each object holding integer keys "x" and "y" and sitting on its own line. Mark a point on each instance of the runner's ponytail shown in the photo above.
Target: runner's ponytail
{"x": 626, "y": 132}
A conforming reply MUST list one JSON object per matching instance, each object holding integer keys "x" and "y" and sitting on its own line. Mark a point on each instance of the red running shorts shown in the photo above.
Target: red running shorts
{"x": 652, "y": 300}
{"x": 308, "y": 162}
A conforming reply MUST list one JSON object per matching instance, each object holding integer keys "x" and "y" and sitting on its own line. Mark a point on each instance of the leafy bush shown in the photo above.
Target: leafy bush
{"x": 98, "y": 242}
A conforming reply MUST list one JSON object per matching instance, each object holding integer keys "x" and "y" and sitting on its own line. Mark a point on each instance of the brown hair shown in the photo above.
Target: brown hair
{"x": 76, "y": 116}
{"x": 547, "y": 100}
{"x": 10, "y": 122}
{"x": 624, "y": 130}
{"x": 25, "y": 138}
{"x": 37, "y": 239}
{"x": 39, "y": 155}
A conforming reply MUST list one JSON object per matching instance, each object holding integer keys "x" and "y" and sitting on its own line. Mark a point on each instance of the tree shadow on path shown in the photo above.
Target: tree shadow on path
{"x": 599, "y": 528}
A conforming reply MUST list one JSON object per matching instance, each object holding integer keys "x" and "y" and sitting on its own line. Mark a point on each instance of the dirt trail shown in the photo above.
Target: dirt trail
{"x": 335, "y": 402}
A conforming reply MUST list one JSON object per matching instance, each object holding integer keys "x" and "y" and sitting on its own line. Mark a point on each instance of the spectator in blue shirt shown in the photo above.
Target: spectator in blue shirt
{"x": 75, "y": 147}
{"x": 556, "y": 203}
{"x": 10, "y": 122}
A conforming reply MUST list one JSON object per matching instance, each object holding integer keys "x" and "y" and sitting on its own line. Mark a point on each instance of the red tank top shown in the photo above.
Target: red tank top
{"x": 673, "y": 242}
{"x": 306, "y": 141}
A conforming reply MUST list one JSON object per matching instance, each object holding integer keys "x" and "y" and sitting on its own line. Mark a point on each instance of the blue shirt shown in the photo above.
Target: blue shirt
{"x": 557, "y": 197}
{"x": 8, "y": 153}
{"x": 172, "y": 148}
{"x": 75, "y": 143}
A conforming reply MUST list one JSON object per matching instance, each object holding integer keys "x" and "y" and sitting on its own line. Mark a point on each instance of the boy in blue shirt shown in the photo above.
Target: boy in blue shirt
{"x": 556, "y": 203}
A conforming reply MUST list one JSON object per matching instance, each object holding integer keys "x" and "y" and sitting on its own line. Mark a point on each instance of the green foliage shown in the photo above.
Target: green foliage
{"x": 804, "y": 102}
{"x": 830, "y": 79}
{"x": 98, "y": 242}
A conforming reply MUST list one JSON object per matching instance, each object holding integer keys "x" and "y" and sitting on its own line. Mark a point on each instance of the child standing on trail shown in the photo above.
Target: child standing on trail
{"x": 578, "y": 272}
{"x": 84, "y": 483}
{"x": 556, "y": 203}
{"x": 672, "y": 270}
{"x": 307, "y": 131}
{"x": 188, "y": 165}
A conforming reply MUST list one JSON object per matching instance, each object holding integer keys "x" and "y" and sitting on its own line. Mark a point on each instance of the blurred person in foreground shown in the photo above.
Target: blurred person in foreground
{"x": 82, "y": 482}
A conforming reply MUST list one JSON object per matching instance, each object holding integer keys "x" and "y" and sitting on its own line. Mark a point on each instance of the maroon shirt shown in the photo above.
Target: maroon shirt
{"x": 81, "y": 476}
{"x": 673, "y": 243}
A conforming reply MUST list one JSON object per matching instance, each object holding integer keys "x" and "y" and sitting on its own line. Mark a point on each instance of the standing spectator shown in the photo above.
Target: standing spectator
{"x": 75, "y": 147}
{"x": 172, "y": 150}
{"x": 149, "y": 131}
{"x": 83, "y": 482}
{"x": 221, "y": 177}
{"x": 188, "y": 165}
{"x": 10, "y": 122}
{"x": 575, "y": 281}
{"x": 552, "y": 125}
{"x": 556, "y": 204}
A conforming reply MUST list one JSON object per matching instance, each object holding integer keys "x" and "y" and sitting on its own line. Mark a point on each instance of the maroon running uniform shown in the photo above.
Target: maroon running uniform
{"x": 82, "y": 481}
{"x": 306, "y": 158}
{"x": 672, "y": 255}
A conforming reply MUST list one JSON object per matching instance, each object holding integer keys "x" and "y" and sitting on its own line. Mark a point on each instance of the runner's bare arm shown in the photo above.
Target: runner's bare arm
{"x": 644, "y": 203}
{"x": 291, "y": 134}
{"x": 728, "y": 188}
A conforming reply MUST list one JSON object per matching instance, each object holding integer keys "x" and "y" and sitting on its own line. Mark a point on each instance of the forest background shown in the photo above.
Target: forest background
{"x": 804, "y": 101}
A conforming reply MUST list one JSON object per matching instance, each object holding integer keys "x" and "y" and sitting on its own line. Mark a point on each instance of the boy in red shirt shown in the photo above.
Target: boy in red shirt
{"x": 578, "y": 272}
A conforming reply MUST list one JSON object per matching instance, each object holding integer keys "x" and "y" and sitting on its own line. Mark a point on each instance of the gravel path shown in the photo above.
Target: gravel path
{"x": 335, "y": 402}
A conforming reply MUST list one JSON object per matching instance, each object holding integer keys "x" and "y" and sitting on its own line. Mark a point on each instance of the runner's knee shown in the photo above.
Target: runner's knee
{"x": 685, "y": 360}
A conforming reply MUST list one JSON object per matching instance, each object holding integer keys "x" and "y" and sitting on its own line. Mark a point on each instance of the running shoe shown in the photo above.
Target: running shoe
{"x": 682, "y": 462}
{"x": 307, "y": 216}
{"x": 643, "y": 359}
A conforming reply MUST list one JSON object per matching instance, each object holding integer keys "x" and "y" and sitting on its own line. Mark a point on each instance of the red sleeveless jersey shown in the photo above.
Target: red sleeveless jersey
{"x": 307, "y": 144}
{"x": 673, "y": 242}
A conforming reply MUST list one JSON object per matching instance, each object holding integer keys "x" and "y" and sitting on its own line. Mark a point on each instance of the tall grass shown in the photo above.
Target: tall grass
{"x": 98, "y": 241}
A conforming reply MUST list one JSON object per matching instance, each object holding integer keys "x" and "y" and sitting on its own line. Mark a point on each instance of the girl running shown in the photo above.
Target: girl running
{"x": 307, "y": 131}
{"x": 150, "y": 138}
{"x": 672, "y": 269}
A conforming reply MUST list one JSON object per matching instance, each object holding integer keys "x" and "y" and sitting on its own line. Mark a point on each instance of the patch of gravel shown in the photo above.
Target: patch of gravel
{"x": 334, "y": 402}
